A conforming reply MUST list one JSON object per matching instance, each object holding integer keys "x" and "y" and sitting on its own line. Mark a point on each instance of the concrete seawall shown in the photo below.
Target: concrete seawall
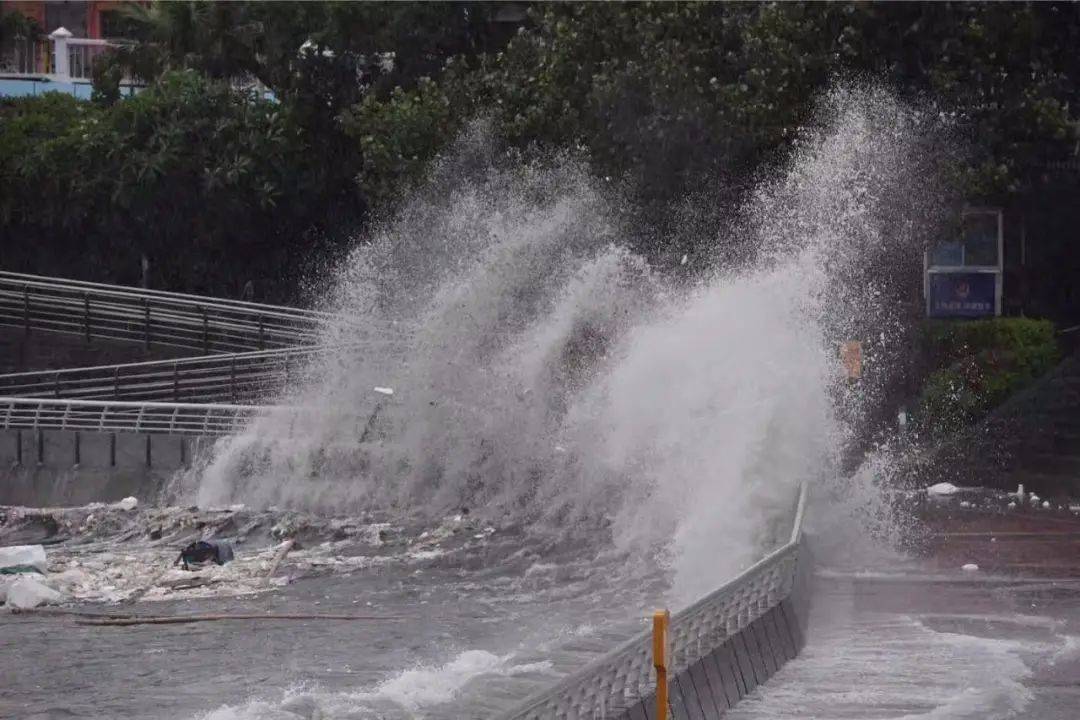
{"x": 52, "y": 467}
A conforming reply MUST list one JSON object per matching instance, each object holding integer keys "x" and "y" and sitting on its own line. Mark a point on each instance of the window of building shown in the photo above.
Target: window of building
{"x": 115, "y": 25}
{"x": 979, "y": 244}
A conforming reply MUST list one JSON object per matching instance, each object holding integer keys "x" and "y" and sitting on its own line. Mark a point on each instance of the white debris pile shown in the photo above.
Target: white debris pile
{"x": 942, "y": 488}
{"x": 23, "y": 558}
{"x": 150, "y": 573}
{"x": 22, "y": 582}
{"x": 93, "y": 574}
{"x": 126, "y": 551}
{"x": 28, "y": 592}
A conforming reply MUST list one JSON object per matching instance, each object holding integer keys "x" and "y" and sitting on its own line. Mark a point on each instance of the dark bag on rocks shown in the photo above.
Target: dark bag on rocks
{"x": 201, "y": 552}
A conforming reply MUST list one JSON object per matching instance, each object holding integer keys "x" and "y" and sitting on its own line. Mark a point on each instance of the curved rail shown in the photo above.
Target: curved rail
{"x": 607, "y": 686}
{"x": 204, "y": 419}
{"x": 229, "y": 377}
{"x": 153, "y": 317}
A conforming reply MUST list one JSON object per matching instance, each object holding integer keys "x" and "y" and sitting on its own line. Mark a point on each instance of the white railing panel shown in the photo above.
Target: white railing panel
{"x": 625, "y": 675}
{"x": 121, "y": 416}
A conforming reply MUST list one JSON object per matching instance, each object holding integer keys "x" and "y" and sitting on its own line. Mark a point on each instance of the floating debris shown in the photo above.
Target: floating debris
{"x": 942, "y": 488}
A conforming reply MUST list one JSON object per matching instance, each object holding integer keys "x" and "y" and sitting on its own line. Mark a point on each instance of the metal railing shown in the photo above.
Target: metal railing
{"x": 607, "y": 686}
{"x": 26, "y": 56}
{"x": 153, "y": 317}
{"x": 83, "y": 53}
{"x": 231, "y": 378}
{"x": 118, "y": 416}
{"x": 58, "y": 56}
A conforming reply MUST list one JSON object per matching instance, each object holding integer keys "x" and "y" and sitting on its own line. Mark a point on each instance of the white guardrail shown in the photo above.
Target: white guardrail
{"x": 229, "y": 377}
{"x": 607, "y": 686}
{"x": 204, "y": 419}
{"x": 153, "y": 317}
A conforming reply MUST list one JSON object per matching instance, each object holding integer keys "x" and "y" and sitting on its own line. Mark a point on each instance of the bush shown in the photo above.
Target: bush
{"x": 215, "y": 185}
{"x": 977, "y": 365}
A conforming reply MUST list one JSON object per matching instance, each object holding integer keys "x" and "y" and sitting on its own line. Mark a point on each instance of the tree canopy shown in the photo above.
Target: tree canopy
{"x": 353, "y": 101}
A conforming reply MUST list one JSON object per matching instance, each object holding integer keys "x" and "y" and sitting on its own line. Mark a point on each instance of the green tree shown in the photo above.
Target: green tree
{"x": 206, "y": 180}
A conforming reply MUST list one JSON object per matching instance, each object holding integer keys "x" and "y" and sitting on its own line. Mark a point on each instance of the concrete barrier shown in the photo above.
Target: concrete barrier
{"x": 709, "y": 655}
{"x": 56, "y": 467}
{"x": 718, "y": 681}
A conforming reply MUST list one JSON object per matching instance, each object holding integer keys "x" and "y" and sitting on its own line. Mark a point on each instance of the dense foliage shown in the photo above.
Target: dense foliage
{"x": 217, "y": 185}
{"x": 978, "y": 364}
{"x": 213, "y": 185}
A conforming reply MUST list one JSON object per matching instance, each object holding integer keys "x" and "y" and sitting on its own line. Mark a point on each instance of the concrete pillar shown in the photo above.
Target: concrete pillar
{"x": 61, "y": 56}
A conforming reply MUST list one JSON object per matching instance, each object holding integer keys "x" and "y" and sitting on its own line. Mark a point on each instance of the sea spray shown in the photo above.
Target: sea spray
{"x": 544, "y": 374}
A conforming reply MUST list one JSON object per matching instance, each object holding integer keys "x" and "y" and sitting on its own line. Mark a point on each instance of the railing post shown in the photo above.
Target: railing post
{"x": 26, "y": 309}
{"x": 232, "y": 379}
{"x": 262, "y": 337}
{"x": 661, "y": 618}
{"x": 116, "y": 384}
{"x": 176, "y": 381}
{"x": 205, "y": 330}
{"x": 56, "y": 384}
{"x": 86, "y": 316}
{"x": 61, "y": 55}
{"x": 146, "y": 334}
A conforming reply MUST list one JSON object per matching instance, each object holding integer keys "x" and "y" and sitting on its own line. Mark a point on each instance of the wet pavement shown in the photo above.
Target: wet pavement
{"x": 922, "y": 637}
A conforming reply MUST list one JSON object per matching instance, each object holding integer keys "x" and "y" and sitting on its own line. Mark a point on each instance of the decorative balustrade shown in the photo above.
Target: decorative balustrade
{"x": 59, "y": 56}
{"x": 611, "y": 684}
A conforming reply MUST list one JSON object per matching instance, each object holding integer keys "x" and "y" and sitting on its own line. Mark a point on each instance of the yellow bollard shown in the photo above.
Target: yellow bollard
{"x": 660, "y": 660}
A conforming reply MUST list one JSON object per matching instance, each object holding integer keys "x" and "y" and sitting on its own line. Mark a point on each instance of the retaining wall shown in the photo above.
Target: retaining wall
{"x": 715, "y": 683}
{"x": 53, "y": 467}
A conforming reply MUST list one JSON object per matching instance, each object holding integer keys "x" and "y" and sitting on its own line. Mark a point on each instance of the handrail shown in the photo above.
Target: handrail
{"x": 228, "y": 377}
{"x": 126, "y": 291}
{"x": 606, "y": 686}
{"x": 153, "y": 317}
{"x": 121, "y": 416}
{"x": 153, "y": 364}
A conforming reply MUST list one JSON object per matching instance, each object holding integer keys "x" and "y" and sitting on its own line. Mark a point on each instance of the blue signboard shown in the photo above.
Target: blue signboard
{"x": 962, "y": 294}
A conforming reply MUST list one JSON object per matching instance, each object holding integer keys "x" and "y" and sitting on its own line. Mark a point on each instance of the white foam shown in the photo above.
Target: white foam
{"x": 943, "y": 488}
{"x": 411, "y": 691}
{"x": 431, "y": 685}
{"x": 889, "y": 666}
{"x": 1069, "y": 650}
